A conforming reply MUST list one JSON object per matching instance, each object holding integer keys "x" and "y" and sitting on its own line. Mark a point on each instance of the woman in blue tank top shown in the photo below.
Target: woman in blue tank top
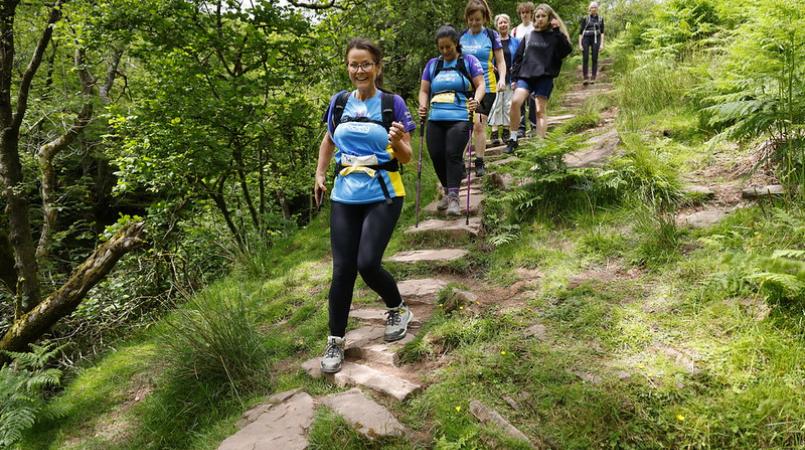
{"x": 368, "y": 132}
{"x": 452, "y": 85}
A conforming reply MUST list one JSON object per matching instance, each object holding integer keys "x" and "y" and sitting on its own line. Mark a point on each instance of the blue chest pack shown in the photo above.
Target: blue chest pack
{"x": 387, "y": 110}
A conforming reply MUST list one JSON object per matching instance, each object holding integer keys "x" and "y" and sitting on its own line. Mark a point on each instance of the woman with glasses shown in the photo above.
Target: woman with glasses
{"x": 368, "y": 133}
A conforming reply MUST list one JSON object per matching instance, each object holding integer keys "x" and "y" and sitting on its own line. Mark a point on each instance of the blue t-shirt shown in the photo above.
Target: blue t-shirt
{"x": 478, "y": 45}
{"x": 365, "y": 143}
{"x": 450, "y": 88}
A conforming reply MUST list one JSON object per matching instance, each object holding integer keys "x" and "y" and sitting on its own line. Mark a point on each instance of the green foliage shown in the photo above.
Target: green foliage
{"x": 645, "y": 175}
{"x": 782, "y": 277}
{"x": 680, "y": 26}
{"x": 214, "y": 340}
{"x": 23, "y": 385}
{"x": 759, "y": 89}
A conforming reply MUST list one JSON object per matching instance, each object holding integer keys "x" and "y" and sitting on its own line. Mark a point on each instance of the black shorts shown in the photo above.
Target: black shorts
{"x": 486, "y": 104}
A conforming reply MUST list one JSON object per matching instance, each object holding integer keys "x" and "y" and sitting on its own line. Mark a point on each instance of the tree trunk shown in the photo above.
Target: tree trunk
{"x": 65, "y": 300}
{"x": 8, "y": 275}
{"x": 261, "y": 177}
{"x": 244, "y": 186}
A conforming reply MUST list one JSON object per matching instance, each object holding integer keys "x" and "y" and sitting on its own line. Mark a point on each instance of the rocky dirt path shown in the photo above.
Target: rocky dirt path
{"x": 372, "y": 369}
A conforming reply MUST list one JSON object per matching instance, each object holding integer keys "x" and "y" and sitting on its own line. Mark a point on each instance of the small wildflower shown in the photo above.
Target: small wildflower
{"x": 458, "y": 408}
{"x": 680, "y": 417}
{"x": 503, "y": 352}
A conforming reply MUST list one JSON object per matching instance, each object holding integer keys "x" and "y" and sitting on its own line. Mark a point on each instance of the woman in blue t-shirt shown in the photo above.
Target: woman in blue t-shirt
{"x": 368, "y": 132}
{"x": 451, "y": 86}
{"x": 484, "y": 44}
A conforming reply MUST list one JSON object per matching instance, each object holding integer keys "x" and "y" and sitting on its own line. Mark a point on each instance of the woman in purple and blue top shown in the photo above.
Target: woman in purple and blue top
{"x": 452, "y": 85}
{"x": 484, "y": 44}
{"x": 368, "y": 132}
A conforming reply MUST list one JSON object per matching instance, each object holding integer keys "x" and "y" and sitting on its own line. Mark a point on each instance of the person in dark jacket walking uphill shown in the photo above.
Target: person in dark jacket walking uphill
{"x": 537, "y": 62}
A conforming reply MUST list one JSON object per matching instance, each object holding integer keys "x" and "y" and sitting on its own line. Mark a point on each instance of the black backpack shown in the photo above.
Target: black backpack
{"x": 386, "y": 106}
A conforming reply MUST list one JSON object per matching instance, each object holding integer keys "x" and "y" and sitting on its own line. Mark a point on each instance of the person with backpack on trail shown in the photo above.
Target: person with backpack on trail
{"x": 537, "y": 62}
{"x": 452, "y": 85}
{"x": 591, "y": 40}
{"x": 368, "y": 132}
{"x": 484, "y": 44}
{"x": 499, "y": 116}
{"x": 525, "y": 10}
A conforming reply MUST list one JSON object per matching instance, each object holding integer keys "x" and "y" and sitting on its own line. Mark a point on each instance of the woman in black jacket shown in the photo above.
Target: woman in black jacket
{"x": 537, "y": 62}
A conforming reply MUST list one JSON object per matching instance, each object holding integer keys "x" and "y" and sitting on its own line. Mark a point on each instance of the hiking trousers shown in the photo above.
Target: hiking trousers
{"x": 446, "y": 143}
{"x": 589, "y": 47}
{"x": 359, "y": 235}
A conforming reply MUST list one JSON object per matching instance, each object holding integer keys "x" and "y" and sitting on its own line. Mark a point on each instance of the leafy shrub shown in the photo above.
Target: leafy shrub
{"x": 23, "y": 385}
{"x": 782, "y": 277}
{"x": 760, "y": 90}
{"x": 215, "y": 340}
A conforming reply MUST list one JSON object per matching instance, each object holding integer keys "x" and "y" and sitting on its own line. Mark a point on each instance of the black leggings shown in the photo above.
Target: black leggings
{"x": 589, "y": 43}
{"x": 359, "y": 235}
{"x": 446, "y": 143}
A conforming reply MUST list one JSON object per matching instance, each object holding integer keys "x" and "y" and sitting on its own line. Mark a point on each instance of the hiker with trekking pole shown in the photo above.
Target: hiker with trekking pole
{"x": 484, "y": 44}
{"x": 451, "y": 85}
{"x": 537, "y": 62}
{"x": 368, "y": 133}
{"x": 591, "y": 41}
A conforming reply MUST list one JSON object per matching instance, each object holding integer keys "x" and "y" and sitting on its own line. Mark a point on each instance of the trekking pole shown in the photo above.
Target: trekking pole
{"x": 469, "y": 169}
{"x": 419, "y": 168}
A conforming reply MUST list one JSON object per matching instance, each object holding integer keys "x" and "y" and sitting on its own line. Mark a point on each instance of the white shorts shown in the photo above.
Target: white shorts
{"x": 499, "y": 116}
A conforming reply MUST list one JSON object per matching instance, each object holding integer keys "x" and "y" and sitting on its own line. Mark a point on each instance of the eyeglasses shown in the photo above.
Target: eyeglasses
{"x": 365, "y": 66}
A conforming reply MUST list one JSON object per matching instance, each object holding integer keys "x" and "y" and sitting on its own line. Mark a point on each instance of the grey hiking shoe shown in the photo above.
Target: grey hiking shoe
{"x": 453, "y": 206}
{"x": 442, "y": 205}
{"x": 333, "y": 355}
{"x": 397, "y": 320}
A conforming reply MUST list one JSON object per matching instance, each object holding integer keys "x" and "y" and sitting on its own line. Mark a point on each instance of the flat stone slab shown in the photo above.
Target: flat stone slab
{"x": 367, "y": 416}
{"x": 475, "y": 204}
{"x": 283, "y": 426}
{"x": 441, "y": 255}
{"x": 703, "y": 218}
{"x": 704, "y": 192}
{"x": 555, "y": 120}
{"x": 756, "y": 192}
{"x": 504, "y": 161}
{"x": 254, "y": 413}
{"x": 421, "y": 291}
{"x": 354, "y": 374}
{"x": 362, "y": 336}
{"x": 456, "y": 227}
{"x": 598, "y": 152}
{"x": 384, "y": 353}
{"x": 491, "y": 417}
{"x": 377, "y": 316}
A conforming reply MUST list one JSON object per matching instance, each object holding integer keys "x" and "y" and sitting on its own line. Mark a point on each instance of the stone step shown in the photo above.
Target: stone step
{"x": 703, "y": 218}
{"x": 699, "y": 192}
{"x": 600, "y": 148}
{"x": 455, "y": 228}
{"x": 758, "y": 192}
{"x": 475, "y": 204}
{"x": 503, "y": 162}
{"x": 380, "y": 353}
{"x": 434, "y": 255}
{"x": 284, "y": 425}
{"x": 354, "y": 374}
{"x": 364, "y": 414}
{"x": 420, "y": 291}
{"x": 377, "y": 316}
